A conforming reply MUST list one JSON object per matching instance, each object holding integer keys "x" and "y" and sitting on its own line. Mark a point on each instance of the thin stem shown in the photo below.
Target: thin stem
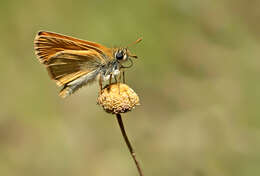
{"x": 122, "y": 128}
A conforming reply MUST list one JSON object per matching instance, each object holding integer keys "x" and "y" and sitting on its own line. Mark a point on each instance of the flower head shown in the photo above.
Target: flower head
{"x": 118, "y": 98}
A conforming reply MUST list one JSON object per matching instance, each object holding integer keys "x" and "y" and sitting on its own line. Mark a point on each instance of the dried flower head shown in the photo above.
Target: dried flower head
{"x": 118, "y": 98}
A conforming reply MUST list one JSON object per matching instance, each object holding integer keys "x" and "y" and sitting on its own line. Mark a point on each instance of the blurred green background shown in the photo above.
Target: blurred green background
{"x": 197, "y": 77}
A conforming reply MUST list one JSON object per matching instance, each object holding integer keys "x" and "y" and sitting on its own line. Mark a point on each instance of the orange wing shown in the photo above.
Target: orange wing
{"x": 47, "y": 44}
{"x": 71, "y": 62}
{"x": 66, "y": 66}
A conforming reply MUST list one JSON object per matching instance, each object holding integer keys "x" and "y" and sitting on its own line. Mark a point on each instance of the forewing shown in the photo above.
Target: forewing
{"x": 47, "y": 44}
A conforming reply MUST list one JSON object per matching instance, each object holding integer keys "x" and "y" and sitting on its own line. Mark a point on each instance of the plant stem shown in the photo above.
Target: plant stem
{"x": 122, "y": 128}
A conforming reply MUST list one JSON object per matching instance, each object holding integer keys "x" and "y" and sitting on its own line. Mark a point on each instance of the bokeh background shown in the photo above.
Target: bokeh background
{"x": 197, "y": 76}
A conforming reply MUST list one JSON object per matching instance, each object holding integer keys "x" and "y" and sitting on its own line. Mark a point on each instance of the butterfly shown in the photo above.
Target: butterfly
{"x": 74, "y": 63}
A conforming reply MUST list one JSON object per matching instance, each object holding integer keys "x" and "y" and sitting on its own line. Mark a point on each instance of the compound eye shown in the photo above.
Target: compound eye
{"x": 119, "y": 55}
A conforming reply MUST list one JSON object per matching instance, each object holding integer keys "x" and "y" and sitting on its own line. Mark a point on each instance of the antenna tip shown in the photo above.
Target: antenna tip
{"x": 139, "y": 40}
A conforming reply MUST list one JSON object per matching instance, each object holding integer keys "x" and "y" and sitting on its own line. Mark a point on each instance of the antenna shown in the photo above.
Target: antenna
{"x": 137, "y": 41}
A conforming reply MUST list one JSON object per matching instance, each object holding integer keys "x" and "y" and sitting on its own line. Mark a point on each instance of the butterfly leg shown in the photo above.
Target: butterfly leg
{"x": 119, "y": 77}
{"x": 115, "y": 79}
{"x": 100, "y": 85}
{"x": 110, "y": 79}
{"x": 117, "y": 82}
{"x": 123, "y": 76}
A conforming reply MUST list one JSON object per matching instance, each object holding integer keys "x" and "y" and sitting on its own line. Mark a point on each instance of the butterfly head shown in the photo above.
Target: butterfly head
{"x": 123, "y": 54}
